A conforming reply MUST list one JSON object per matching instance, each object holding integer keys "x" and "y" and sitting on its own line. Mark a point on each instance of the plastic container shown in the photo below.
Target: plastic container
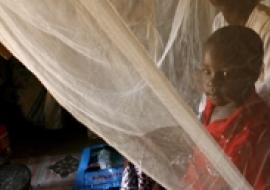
{"x": 100, "y": 168}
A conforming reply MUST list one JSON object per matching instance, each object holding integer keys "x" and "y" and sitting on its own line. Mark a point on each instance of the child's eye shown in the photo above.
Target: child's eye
{"x": 225, "y": 74}
{"x": 230, "y": 74}
{"x": 206, "y": 71}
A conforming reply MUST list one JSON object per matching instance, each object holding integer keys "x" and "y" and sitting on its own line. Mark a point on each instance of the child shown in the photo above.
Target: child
{"x": 252, "y": 14}
{"x": 234, "y": 114}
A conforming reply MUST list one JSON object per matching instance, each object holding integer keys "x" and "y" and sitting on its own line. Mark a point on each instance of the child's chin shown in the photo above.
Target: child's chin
{"x": 217, "y": 101}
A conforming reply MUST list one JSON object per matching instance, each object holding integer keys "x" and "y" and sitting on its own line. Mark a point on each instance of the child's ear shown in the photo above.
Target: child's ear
{"x": 255, "y": 71}
{"x": 254, "y": 76}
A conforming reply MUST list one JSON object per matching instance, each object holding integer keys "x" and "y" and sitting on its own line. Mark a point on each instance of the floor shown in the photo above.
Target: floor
{"x": 51, "y": 155}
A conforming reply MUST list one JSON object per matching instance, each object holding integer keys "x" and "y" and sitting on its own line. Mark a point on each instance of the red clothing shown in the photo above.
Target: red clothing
{"x": 245, "y": 138}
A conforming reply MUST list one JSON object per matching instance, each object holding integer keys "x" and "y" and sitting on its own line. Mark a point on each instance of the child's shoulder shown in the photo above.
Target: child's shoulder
{"x": 257, "y": 113}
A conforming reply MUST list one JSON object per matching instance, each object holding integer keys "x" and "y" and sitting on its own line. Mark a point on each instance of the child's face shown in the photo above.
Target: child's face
{"x": 225, "y": 82}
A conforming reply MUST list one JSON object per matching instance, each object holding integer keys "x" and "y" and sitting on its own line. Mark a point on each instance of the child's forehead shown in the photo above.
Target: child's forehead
{"x": 219, "y": 61}
{"x": 232, "y": 52}
{"x": 221, "y": 50}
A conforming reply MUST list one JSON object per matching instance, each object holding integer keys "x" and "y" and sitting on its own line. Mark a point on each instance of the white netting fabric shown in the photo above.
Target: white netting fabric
{"x": 100, "y": 60}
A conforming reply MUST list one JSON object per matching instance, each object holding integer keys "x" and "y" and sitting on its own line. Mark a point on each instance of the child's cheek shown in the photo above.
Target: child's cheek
{"x": 229, "y": 91}
{"x": 204, "y": 85}
{"x": 234, "y": 91}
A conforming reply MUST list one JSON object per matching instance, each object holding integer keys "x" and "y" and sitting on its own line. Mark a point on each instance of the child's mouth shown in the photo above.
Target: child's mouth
{"x": 211, "y": 91}
{"x": 213, "y": 94}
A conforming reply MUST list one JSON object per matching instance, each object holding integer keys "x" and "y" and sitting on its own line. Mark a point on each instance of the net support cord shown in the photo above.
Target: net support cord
{"x": 111, "y": 23}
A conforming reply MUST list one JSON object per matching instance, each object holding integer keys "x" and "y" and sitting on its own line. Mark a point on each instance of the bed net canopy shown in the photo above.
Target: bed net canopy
{"x": 126, "y": 69}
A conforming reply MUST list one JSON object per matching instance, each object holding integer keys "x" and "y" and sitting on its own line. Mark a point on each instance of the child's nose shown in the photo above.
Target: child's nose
{"x": 215, "y": 79}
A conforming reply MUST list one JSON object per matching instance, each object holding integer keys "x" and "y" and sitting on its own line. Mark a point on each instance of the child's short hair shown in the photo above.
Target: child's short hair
{"x": 237, "y": 45}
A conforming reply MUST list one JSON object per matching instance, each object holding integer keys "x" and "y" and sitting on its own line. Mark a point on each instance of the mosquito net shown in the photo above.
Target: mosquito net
{"x": 127, "y": 71}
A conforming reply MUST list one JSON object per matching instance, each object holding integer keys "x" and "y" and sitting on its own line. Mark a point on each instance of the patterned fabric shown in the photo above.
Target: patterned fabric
{"x": 65, "y": 166}
{"x": 134, "y": 179}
